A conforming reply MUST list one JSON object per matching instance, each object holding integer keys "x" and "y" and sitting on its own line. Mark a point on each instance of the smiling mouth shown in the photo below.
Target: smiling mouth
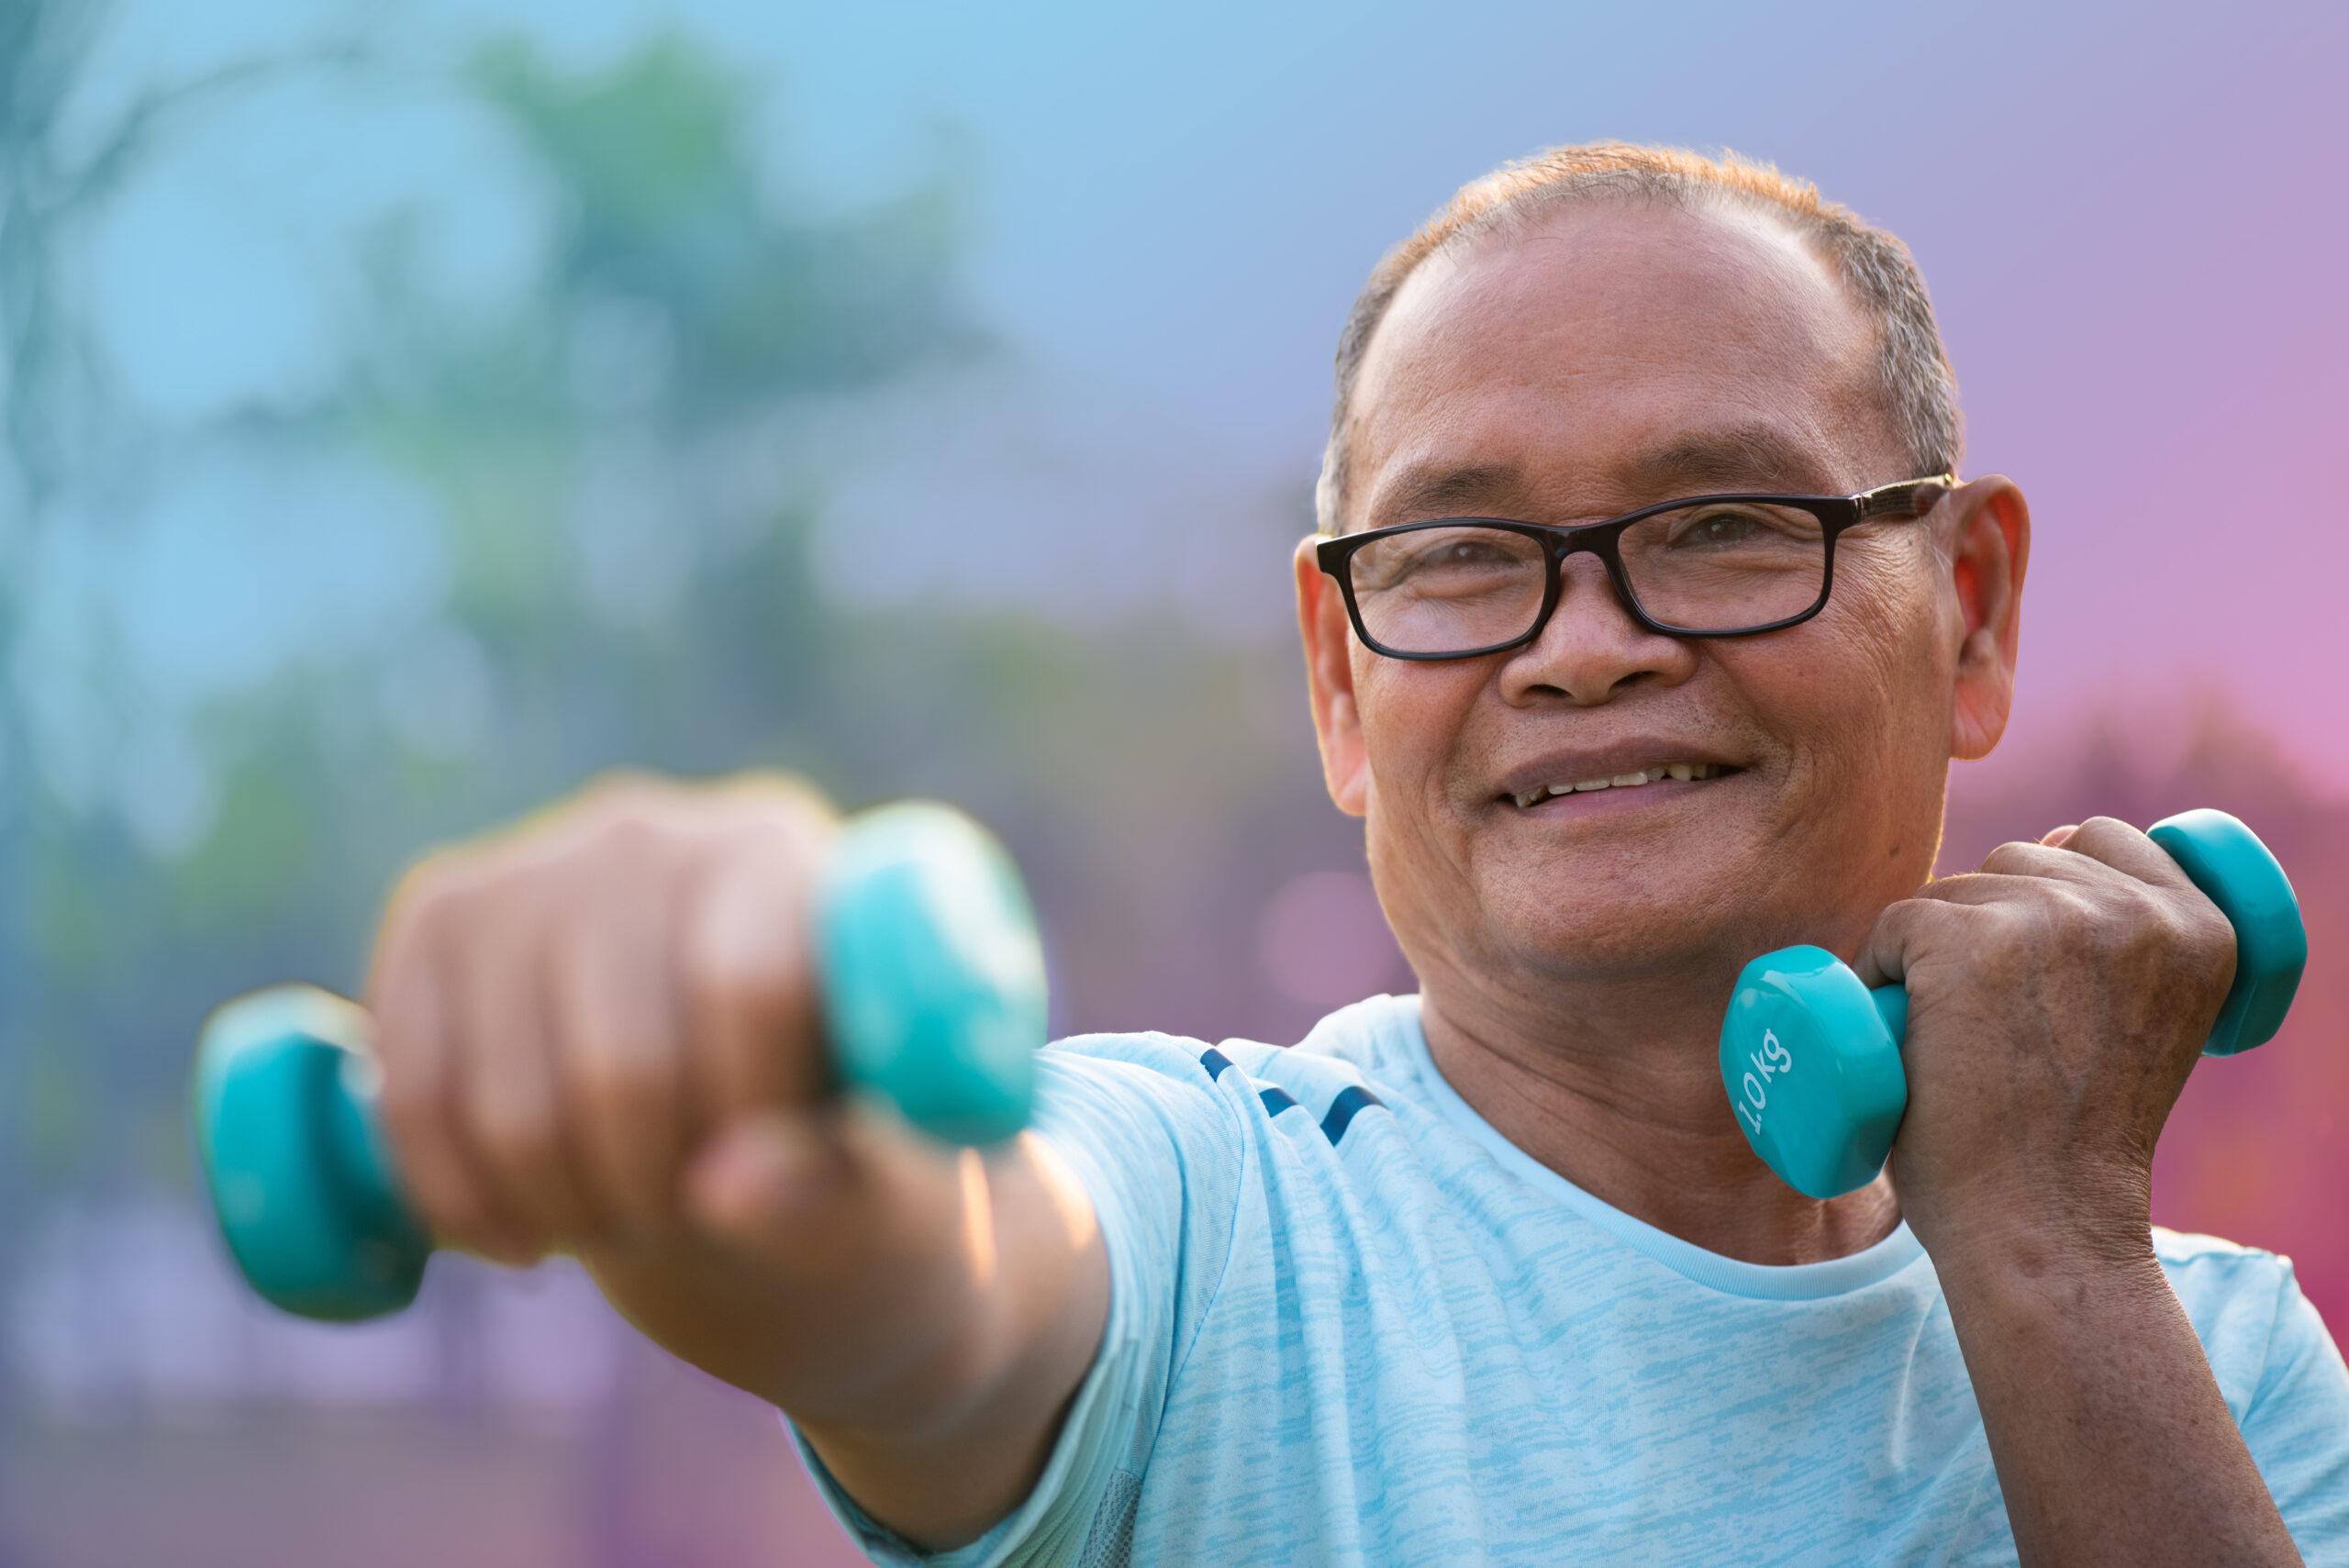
{"x": 1686, "y": 772}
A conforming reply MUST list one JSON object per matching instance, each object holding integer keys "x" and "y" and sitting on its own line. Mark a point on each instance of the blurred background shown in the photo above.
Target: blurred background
{"x": 408, "y": 412}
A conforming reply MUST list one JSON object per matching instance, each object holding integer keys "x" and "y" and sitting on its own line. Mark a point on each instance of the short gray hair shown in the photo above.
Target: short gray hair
{"x": 1918, "y": 388}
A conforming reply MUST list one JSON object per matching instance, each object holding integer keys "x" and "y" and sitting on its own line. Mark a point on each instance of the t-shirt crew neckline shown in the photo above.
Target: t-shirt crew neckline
{"x": 1766, "y": 1282}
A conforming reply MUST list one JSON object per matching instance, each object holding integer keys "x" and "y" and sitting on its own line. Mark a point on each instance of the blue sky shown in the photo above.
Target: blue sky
{"x": 2129, "y": 215}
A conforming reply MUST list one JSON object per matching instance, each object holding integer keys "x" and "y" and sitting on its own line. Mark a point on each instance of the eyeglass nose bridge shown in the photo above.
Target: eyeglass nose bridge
{"x": 1603, "y": 540}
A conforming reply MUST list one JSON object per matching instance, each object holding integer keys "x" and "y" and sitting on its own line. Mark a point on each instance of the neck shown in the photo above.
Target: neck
{"x": 1620, "y": 1093}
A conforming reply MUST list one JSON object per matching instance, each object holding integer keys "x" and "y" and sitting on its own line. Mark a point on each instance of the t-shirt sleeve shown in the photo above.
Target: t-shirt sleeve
{"x": 2297, "y": 1428}
{"x": 1161, "y": 1154}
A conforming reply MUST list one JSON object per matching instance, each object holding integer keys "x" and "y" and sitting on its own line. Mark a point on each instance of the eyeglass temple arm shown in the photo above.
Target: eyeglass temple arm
{"x": 1907, "y": 496}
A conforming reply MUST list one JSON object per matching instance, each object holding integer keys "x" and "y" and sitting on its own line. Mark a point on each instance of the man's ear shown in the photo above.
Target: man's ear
{"x": 1989, "y": 542}
{"x": 1329, "y": 675}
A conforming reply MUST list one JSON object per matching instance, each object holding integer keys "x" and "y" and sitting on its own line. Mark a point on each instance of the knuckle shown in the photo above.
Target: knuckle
{"x": 718, "y": 971}
{"x": 2011, "y": 858}
{"x": 515, "y": 1131}
{"x": 625, "y": 1082}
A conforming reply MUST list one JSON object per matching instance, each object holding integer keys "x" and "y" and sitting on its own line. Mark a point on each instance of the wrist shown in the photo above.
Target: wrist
{"x": 2042, "y": 1232}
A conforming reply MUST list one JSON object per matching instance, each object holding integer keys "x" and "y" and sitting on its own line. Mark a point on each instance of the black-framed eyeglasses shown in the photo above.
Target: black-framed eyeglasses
{"x": 1701, "y": 566}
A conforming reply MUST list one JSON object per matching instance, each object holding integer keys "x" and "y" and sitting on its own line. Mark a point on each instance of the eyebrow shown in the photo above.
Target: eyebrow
{"x": 1735, "y": 457}
{"x": 1743, "y": 457}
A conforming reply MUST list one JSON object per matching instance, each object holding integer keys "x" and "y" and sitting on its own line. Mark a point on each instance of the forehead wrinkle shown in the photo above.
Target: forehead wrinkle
{"x": 1793, "y": 321}
{"x": 1749, "y": 457}
{"x": 1737, "y": 457}
{"x": 1439, "y": 488}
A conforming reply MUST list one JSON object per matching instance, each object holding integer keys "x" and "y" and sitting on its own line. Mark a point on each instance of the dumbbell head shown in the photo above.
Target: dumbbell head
{"x": 2234, "y": 870}
{"x": 300, "y": 1178}
{"x": 1811, "y": 1059}
{"x": 933, "y": 974}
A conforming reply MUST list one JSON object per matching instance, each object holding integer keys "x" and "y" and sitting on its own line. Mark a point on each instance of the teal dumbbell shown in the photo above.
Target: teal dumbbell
{"x": 933, "y": 991}
{"x": 1811, "y": 1057}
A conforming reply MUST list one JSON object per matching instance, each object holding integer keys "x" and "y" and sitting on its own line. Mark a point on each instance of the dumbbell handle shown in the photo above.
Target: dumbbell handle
{"x": 934, "y": 1000}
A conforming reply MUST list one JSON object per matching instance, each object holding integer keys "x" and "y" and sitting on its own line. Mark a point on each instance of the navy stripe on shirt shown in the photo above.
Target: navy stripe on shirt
{"x": 1350, "y": 1102}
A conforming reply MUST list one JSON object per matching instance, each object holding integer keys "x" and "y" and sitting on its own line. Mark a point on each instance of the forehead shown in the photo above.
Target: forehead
{"x": 1612, "y": 353}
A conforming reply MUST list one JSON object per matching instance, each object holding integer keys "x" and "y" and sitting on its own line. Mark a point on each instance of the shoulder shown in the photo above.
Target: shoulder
{"x": 2247, "y": 1309}
{"x": 2232, "y": 1292}
{"x": 1364, "y": 1048}
{"x": 2212, "y": 1273}
{"x": 2281, "y": 1373}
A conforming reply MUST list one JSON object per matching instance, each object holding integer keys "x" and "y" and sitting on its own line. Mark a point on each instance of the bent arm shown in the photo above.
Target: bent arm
{"x": 2113, "y": 1441}
{"x": 924, "y": 1316}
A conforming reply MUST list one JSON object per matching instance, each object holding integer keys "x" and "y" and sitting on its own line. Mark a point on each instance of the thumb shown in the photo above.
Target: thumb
{"x": 807, "y": 1190}
{"x": 773, "y": 1181}
{"x": 1883, "y": 958}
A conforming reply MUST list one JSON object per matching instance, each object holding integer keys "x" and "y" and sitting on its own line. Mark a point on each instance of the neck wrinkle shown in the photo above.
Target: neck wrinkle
{"x": 1640, "y": 1123}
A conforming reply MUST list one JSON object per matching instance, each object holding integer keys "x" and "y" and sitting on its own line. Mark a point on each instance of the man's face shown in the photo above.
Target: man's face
{"x": 1613, "y": 356}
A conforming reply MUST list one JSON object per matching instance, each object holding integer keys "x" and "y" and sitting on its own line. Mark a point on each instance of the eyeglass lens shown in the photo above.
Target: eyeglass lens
{"x": 1713, "y": 567}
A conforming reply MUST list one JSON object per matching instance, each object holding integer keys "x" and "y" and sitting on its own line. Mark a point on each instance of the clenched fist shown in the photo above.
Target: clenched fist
{"x": 600, "y": 1032}
{"x": 2058, "y": 999}
{"x": 567, "y": 1011}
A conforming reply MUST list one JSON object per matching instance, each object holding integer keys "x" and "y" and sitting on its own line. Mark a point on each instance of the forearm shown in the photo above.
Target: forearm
{"x": 924, "y": 1317}
{"x": 2112, "y": 1442}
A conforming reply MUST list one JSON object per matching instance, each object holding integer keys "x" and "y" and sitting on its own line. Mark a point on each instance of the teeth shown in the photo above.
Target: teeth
{"x": 1684, "y": 772}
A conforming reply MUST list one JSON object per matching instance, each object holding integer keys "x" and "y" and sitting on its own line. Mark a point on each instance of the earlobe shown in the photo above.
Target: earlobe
{"x": 1989, "y": 550}
{"x": 1329, "y": 672}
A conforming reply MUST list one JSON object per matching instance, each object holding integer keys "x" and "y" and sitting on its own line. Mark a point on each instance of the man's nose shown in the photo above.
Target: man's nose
{"x": 1592, "y": 649}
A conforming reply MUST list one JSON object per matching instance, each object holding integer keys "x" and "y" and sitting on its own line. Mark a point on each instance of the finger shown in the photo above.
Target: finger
{"x": 410, "y": 998}
{"x": 2046, "y": 863}
{"x": 623, "y": 1060}
{"x": 2055, "y": 837}
{"x": 512, "y": 1123}
{"x": 1907, "y": 928}
{"x": 1976, "y": 888}
{"x": 746, "y": 965}
{"x": 2112, "y": 842}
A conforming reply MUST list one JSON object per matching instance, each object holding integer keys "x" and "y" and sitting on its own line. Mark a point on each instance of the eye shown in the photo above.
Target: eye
{"x": 1477, "y": 552}
{"x": 1722, "y": 527}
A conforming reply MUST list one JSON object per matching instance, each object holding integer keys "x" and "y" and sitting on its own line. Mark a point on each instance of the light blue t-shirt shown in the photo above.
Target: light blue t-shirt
{"x": 1350, "y": 1323}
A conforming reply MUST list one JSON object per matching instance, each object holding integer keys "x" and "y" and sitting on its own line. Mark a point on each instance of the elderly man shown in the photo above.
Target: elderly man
{"x": 1490, "y": 1273}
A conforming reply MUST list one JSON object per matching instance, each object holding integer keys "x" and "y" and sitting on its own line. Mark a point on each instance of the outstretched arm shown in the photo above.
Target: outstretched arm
{"x": 599, "y": 1034}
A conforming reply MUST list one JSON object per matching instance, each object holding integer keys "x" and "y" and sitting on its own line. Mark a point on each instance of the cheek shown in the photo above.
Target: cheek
{"x": 1862, "y": 693}
{"x": 1882, "y": 627}
{"x": 1413, "y": 716}
{"x": 1898, "y": 620}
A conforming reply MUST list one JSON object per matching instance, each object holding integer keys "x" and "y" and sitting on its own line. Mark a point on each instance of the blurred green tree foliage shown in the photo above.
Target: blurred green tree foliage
{"x": 626, "y": 582}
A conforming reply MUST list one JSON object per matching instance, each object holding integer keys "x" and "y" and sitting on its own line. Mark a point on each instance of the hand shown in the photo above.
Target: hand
{"x": 2058, "y": 1000}
{"x": 568, "y": 1010}
{"x": 600, "y": 1032}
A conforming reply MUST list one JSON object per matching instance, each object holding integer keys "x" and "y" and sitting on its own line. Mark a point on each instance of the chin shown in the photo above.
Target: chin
{"x": 1615, "y": 924}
